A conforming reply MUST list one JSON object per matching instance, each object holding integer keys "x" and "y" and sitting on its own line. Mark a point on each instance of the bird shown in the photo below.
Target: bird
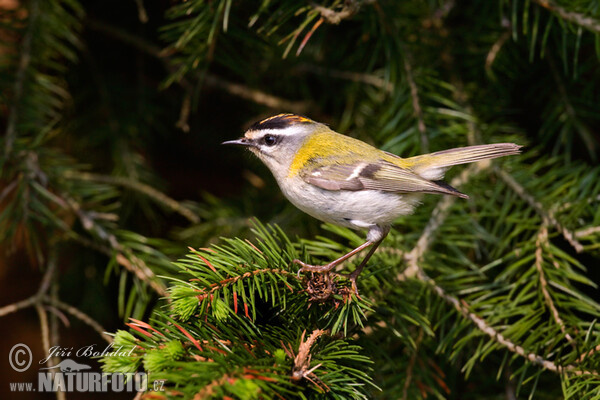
{"x": 344, "y": 181}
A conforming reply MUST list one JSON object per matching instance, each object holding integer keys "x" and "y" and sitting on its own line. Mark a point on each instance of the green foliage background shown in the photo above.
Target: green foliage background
{"x": 110, "y": 168}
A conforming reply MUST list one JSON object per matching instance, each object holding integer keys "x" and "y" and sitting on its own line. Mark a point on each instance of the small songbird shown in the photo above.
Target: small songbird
{"x": 344, "y": 181}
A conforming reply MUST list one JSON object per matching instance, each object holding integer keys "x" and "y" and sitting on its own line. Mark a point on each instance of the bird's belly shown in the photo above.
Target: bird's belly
{"x": 353, "y": 209}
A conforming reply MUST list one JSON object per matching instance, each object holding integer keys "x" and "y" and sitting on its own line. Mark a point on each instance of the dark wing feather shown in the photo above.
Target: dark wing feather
{"x": 380, "y": 175}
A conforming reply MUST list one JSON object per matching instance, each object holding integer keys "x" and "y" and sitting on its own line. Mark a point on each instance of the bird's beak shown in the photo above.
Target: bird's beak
{"x": 241, "y": 142}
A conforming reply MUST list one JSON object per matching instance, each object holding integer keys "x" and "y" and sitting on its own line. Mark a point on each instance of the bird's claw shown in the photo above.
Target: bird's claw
{"x": 313, "y": 268}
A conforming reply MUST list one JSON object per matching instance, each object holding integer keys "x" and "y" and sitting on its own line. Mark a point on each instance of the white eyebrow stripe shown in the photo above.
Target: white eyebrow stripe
{"x": 288, "y": 131}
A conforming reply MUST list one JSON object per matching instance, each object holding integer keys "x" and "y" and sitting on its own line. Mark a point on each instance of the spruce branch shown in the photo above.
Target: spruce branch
{"x": 438, "y": 216}
{"x": 43, "y": 298}
{"x": 125, "y": 259}
{"x": 140, "y": 187}
{"x": 52, "y": 361}
{"x": 334, "y": 17}
{"x": 83, "y": 317}
{"x": 540, "y": 243}
{"x": 142, "y": 14}
{"x": 301, "y": 368}
{"x": 587, "y": 231}
{"x": 24, "y": 61}
{"x": 124, "y": 256}
{"x": 547, "y": 216}
{"x": 463, "y": 308}
{"x": 257, "y": 96}
{"x": 414, "y": 270}
{"x": 237, "y": 89}
{"x": 418, "y": 112}
{"x": 411, "y": 365}
{"x": 584, "y": 131}
{"x": 496, "y": 47}
{"x": 369, "y": 79}
{"x": 583, "y": 20}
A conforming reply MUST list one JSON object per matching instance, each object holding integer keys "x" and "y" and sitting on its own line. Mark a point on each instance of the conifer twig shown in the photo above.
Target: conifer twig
{"x": 414, "y": 270}
{"x": 52, "y": 361}
{"x": 587, "y": 231}
{"x": 83, "y": 317}
{"x": 42, "y": 298}
{"x": 547, "y": 216}
{"x": 142, "y": 14}
{"x": 143, "y": 188}
{"x": 235, "y": 89}
{"x": 230, "y": 281}
{"x": 540, "y": 243}
{"x": 334, "y": 17}
{"x": 369, "y": 79}
{"x": 411, "y": 365}
{"x": 463, "y": 308}
{"x": 495, "y": 49}
{"x": 585, "y": 21}
{"x": 418, "y": 112}
{"x": 588, "y": 353}
{"x": 124, "y": 256}
{"x": 25, "y": 59}
{"x": 257, "y": 96}
{"x": 438, "y": 216}
{"x": 583, "y": 130}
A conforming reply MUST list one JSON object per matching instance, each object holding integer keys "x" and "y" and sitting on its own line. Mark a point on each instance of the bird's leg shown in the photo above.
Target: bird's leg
{"x": 352, "y": 276}
{"x": 328, "y": 267}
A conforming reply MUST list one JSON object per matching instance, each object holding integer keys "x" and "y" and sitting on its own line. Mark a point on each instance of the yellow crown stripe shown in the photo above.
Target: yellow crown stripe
{"x": 287, "y": 116}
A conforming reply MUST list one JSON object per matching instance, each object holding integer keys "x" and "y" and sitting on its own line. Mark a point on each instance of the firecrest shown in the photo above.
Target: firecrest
{"x": 342, "y": 180}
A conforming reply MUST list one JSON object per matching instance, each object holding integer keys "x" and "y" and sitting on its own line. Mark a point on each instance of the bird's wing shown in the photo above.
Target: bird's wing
{"x": 380, "y": 175}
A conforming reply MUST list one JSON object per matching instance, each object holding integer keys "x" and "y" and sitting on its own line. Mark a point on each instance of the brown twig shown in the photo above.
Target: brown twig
{"x": 236, "y": 89}
{"x": 184, "y": 114}
{"x": 411, "y": 365}
{"x": 547, "y": 216}
{"x": 301, "y": 368}
{"x": 124, "y": 256}
{"x": 35, "y": 299}
{"x": 587, "y": 231}
{"x": 19, "y": 305}
{"x": 142, "y": 14}
{"x": 588, "y": 353}
{"x": 414, "y": 270}
{"x": 42, "y": 298}
{"x": 463, "y": 308}
{"x": 52, "y": 361}
{"x": 585, "y": 21}
{"x": 369, "y": 79}
{"x": 25, "y": 59}
{"x": 495, "y": 49}
{"x": 83, "y": 317}
{"x": 584, "y": 131}
{"x": 418, "y": 112}
{"x": 438, "y": 216}
{"x": 257, "y": 96}
{"x": 333, "y": 17}
{"x": 540, "y": 243}
{"x": 230, "y": 281}
{"x": 147, "y": 190}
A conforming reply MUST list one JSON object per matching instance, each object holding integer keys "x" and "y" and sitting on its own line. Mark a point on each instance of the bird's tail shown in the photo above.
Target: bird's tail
{"x": 433, "y": 166}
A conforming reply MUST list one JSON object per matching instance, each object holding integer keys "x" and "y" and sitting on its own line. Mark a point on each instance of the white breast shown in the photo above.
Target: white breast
{"x": 354, "y": 209}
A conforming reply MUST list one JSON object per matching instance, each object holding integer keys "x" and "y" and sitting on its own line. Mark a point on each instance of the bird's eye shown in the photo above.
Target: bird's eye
{"x": 270, "y": 140}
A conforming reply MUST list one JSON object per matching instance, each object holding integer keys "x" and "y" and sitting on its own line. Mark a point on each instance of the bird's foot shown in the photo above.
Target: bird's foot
{"x": 313, "y": 268}
{"x": 352, "y": 277}
{"x": 326, "y": 270}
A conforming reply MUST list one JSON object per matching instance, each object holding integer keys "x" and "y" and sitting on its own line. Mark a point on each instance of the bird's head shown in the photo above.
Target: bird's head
{"x": 278, "y": 139}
